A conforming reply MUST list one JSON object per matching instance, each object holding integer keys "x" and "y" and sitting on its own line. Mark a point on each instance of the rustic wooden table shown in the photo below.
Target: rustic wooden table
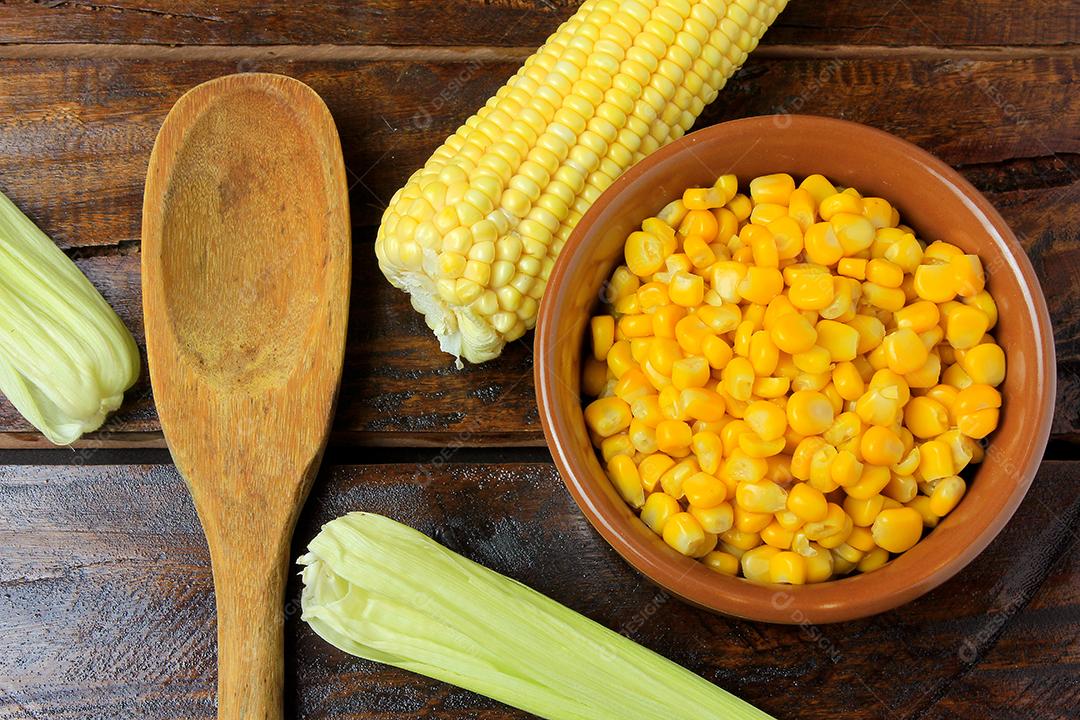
{"x": 106, "y": 605}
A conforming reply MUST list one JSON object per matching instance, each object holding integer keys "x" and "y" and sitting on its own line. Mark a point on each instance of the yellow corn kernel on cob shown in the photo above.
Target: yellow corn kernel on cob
{"x": 473, "y": 235}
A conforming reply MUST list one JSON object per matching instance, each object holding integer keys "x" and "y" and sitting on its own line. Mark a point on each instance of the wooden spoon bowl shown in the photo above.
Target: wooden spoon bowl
{"x": 246, "y": 271}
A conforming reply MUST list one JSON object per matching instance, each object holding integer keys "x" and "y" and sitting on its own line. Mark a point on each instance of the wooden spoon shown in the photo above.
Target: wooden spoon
{"x": 245, "y": 271}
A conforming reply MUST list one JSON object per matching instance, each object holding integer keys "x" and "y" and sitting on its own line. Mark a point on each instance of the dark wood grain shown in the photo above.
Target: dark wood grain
{"x": 517, "y": 22}
{"x": 105, "y": 589}
{"x": 1010, "y": 125}
{"x": 108, "y": 605}
{"x": 95, "y": 119}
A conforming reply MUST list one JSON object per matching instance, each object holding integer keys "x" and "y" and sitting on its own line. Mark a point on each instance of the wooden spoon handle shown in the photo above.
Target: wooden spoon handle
{"x": 250, "y": 591}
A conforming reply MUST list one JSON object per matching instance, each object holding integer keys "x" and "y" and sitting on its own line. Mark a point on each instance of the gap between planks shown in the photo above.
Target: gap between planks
{"x": 344, "y": 448}
{"x": 484, "y": 54}
{"x": 425, "y": 459}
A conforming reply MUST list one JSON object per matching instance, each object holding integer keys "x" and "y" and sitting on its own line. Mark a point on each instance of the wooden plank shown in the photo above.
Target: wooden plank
{"x": 108, "y": 604}
{"x": 519, "y": 22}
{"x": 205, "y": 22}
{"x": 75, "y": 135}
{"x": 94, "y": 120}
{"x": 928, "y": 23}
{"x": 1033, "y": 667}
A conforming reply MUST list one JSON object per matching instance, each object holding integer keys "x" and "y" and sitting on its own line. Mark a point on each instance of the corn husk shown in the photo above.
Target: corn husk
{"x": 65, "y": 357}
{"x": 383, "y": 591}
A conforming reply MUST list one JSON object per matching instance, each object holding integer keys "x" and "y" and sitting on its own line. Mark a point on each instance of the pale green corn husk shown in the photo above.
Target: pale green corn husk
{"x": 65, "y": 357}
{"x": 383, "y": 591}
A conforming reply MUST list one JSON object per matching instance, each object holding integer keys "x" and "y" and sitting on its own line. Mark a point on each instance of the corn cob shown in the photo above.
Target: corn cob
{"x": 473, "y": 235}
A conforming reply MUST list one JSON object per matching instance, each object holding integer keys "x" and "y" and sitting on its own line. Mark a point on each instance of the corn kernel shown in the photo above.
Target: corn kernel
{"x": 854, "y": 232}
{"x": 819, "y": 566}
{"x": 968, "y": 275}
{"x": 818, "y": 187}
{"x": 852, "y": 268}
{"x": 757, "y": 563}
{"x": 985, "y": 302}
{"x": 633, "y": 385}
{"x": 815, "y": 361}
{"x": 740, "y": 539}
{"x": 776, "y": 188}
{"x": 683, "y": 532}
{"x": 947, "y": 495}
{"x": 985, "y": 364}
{"x": 935, "y": 460}
{"x": 652, "y": 467}
{"x": 821, "y": 244}
{"x": 904, "y": 351}
{"x": 966, "y": 326}
{"x": 703, "y": 490}
{"x": 885, "y": 298}
{"x": 809, "y": 412}
{"x": 956, "y": 376}
{"x": 840, "y": 203}
{"x": 845, "y": 470}
{"x": 740, "y": 467}
{"x": 716, "y": 351}
{"x": 884, "y": 273}
{"x": 787, "y": 233}
{"x": 842, "y": 341}
{"x": 624, "y": 476}
{"x": 906, "y": 253}
{"x": 921, "y": 505}
{"x": 763, "y": 353}
{"x": 593, "y": 377}
{"x": 897, "y": 530}
{"x": 690, "y": 372}
{"x": 620, "y": 359}
{"x": 787, "y": 567}
{"x": 847, "y": 381}
{"x": 669, "y": 402}
{"x": 642, "y": 436}
{"x": 749, "y": 522}
{"x": 730, "y": 433}
{"x": 761, "y": 497}
{"x": 926, "y": 417}
{"x": 690, "y": 333}
{"x": 607, "y": 416}
{"x": 807, "y": 502}
{"x": 699, "y": 403}
{"x": 738, "y": 378}
{"x": 657, "y": 510}
{"x": 686, "y": 289}
{"x": 771, "y": 387}
{"x": 761, "y": 284}
{"x": 976, "y": 410}
{"x": 881, "y": 446}
{"x": 863, "y": 510}
{"x": 671, "y": 481}
{"x": 673, "y": 436}
{"x": 716, "y": 519}
{"x": 935, "y": 283}
{"x": 812, "y": 291}
{"x": 871, "y": 332}
{"x": 722, "y": 562}
{"x": 846, "y": 432}
{"x": 720, "y": 319}
{"x": 873, "y": 480}
{"x": 777, "y": 535}
{"x": 831, "y": 531}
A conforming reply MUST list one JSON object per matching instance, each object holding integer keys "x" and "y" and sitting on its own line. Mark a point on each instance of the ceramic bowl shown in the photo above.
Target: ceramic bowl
{"x": 932, "y": 198}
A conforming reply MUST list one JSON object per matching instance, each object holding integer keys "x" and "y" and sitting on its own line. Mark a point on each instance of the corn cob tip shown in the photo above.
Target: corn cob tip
{"x": 473, "y": 235}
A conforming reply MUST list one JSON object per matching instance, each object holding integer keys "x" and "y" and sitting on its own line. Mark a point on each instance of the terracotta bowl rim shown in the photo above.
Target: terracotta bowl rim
{"x": 854, "y": 596}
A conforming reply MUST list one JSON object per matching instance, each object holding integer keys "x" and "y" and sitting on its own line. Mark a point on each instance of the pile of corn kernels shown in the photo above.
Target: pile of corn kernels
{"x": 789, "y": 383}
